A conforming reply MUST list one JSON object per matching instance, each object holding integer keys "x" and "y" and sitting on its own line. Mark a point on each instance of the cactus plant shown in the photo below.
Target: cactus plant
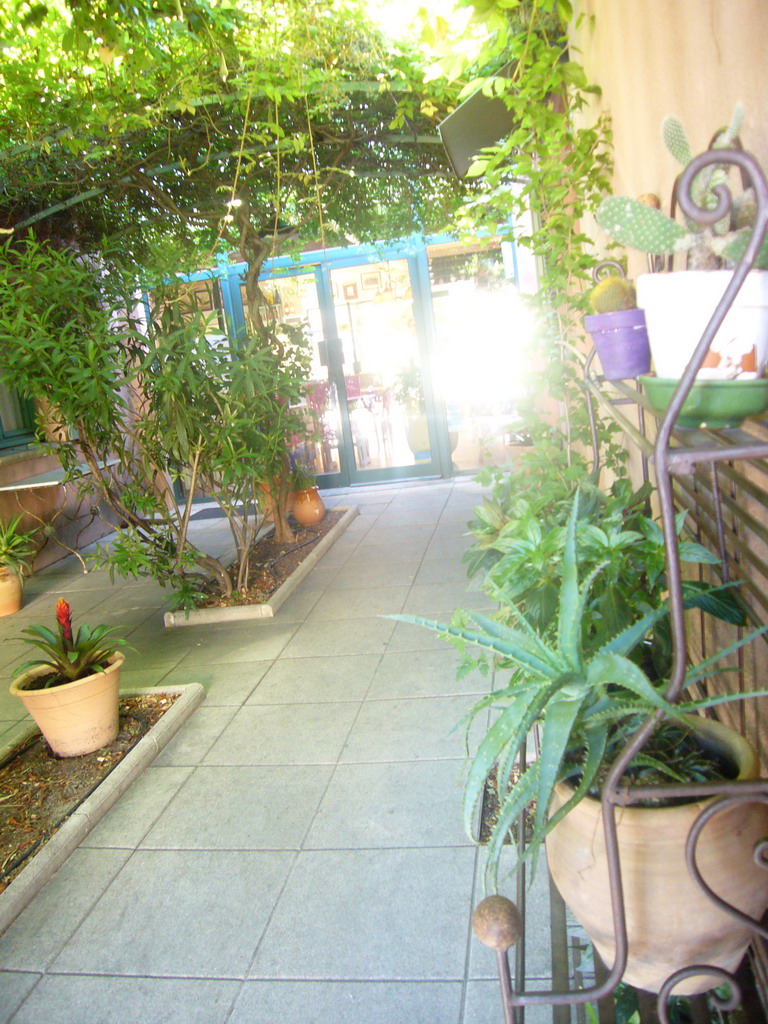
{"x": 635, "y": 223}
{"x": 612, "y": 294}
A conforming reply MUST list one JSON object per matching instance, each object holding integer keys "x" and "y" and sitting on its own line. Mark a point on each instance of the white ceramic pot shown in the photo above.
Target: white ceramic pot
{"x": 679, "y": 305}
{"x": 671, "y": 923}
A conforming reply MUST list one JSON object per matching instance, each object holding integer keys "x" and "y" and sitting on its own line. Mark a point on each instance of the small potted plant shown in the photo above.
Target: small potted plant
{"x": 588, "y": 697}
{"x": 308, "y": 507}
{"x": 617, "y": 327}
{"x": 408, "y": 391}
{"x": 16, "y": 551}
{"x": 678, "y": 305}
{"x": 72, "y": 690}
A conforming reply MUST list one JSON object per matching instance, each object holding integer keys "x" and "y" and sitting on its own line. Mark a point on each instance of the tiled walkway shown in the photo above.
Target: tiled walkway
{"x": 295, "y": 855}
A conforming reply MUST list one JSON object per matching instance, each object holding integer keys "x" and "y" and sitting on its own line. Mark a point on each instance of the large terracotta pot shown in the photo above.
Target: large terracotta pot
{"x": 308, "y": 507}
{"x": 75, "y": 718}
{"x": 11, "y": 592}
{"x": 671, "y": 923}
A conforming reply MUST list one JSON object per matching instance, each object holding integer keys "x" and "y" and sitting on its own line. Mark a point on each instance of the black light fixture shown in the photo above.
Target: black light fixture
{"x": 477, "y": 122}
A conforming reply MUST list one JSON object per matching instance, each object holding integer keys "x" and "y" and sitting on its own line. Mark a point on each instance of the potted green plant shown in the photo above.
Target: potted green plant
{"x": 72, "y": 690}
{"x": 518, "y": 551}
{"x": 308, "y": 507}
{"x": 16, "y": 551}
{"x": 588, "y": 696}
{"x": 618, "y": 328}
{"x": 678, "y": 305}
{"x": 409, "y": 392}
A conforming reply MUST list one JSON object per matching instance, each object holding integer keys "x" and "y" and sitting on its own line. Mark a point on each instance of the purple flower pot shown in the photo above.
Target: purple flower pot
{"x": 621, "y": 341}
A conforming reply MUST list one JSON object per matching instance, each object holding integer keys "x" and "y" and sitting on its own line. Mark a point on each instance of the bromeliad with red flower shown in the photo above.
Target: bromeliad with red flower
{"x": 70, "y": 656}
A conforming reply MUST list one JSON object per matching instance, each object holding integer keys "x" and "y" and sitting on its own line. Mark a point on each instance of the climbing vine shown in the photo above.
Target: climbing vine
{"x": 536, "y": 185}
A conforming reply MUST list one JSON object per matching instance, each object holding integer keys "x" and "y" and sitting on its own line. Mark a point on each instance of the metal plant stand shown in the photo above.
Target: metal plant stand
{"x": 497, "y": 921}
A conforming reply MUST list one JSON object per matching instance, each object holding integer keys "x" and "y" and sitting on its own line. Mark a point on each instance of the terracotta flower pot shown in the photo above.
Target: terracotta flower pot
{"x": 308, "y": 507}
{"x": 671, "y": 923}
{"x": 75, "y": 718}
{"x": 11, "y": 592}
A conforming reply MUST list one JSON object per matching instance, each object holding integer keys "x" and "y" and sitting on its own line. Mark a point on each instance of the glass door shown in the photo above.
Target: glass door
{"x": 385, "y": 401}
{"x": 481, "y": 327}
{"x": 293, "y": 299}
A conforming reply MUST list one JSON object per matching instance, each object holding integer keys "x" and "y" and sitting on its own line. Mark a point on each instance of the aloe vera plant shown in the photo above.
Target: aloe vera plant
{"x": 581, "y": 701}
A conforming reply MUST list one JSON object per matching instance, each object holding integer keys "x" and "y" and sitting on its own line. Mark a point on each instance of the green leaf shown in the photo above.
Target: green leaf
{"x": 521, "y": 794}
{"x": 507, "y": 733}
{"x": 630, "y": 637}
{"x": 568, "y": 620}
{"x": 704, "y": 668}
{"x": 561, "y": 716}
{"x": 722, "y": 602}
{"x": 609, "y": 668}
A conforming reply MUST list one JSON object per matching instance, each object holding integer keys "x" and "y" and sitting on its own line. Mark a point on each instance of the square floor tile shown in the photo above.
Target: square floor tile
{"x": 301, "y": 602}
{"x": 43, "y": 928}
{"x": 391, "y": 805}
{"x": 196, "y": 737}
{"x": 381, "y": 533}
{"x": 449, "y": 570}
{"x": 241, "y": 808}
{"x": 179, "y": 913}
{"x": 429, "y": 598}
{"x": 379, "y": 574}
{"x": 350, "y": 1002}
{"x": 424, "y": 674}
{"x": 284, "y": 734}
{"x": 313, "y": 680}
{"x": 128, "y": 821}
{"x": 66, "y": 999}
{"x": 344, "y": 636}
{"x": 409, "y": 636}
{"x": 359, "y": 604}
{"x": 371, "y": 915}
{"x": 421, "y": 728}
{"x": 14, "y": 988}
{"x": 390, "y": 552}
{"x": 225, "y": 685}
{"x": 450, "y": 546}
{"x": 260, "y": 640}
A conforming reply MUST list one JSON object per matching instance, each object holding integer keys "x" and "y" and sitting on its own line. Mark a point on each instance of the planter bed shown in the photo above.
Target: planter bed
{"x": 83, "y": 816}
{"x": 266, "y": 609}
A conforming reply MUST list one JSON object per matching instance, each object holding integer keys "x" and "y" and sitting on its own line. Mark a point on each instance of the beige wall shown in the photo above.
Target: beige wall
{"x": 57, "y": 513}
{"x": 693, "y": 58}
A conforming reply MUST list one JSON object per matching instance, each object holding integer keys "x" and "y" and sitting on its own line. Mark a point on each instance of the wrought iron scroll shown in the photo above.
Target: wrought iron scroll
{"x": 496, "y": 921}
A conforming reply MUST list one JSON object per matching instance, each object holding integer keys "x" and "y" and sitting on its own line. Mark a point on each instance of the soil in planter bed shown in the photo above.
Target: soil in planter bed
{"x": 39, "y": 791}
{"x": 271, "y": 563}
{"x": 699, "y": 764}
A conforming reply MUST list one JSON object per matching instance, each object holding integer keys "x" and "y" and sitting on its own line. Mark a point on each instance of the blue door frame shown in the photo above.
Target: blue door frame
{"x": 320, "y": 263}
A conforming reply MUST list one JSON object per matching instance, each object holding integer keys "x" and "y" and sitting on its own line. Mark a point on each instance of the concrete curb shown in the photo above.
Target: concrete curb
{"x": 49, "y": 859}
{"x": 239, "y": 613}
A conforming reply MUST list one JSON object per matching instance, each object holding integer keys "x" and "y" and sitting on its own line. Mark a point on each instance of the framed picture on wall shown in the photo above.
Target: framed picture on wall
{"x": 371, "y": 280}
{"x": 350, "y": 291}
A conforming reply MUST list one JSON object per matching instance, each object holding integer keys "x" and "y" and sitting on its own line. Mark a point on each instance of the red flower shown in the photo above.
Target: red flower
{"x": 64, "y": 619}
